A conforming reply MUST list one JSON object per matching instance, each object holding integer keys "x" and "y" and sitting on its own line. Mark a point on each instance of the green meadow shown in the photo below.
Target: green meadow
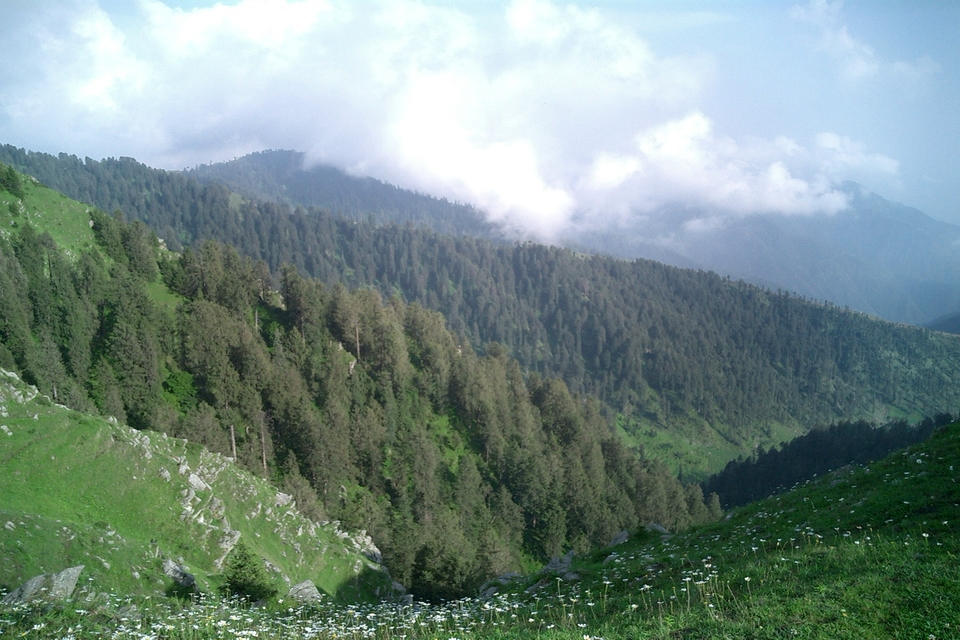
{"x": 864, "y": 552}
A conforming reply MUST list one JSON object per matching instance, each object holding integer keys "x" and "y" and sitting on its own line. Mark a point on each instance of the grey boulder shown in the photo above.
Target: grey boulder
{"x": 50, "y": 587}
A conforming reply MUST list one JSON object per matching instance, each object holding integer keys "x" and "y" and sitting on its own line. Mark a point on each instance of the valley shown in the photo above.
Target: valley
{"x": 299, "y": 380}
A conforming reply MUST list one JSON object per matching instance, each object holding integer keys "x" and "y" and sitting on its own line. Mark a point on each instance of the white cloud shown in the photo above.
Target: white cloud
{"x": 685, "y": 161}
{"x": 537, "y": 113}
{"x": 857, "y": 59}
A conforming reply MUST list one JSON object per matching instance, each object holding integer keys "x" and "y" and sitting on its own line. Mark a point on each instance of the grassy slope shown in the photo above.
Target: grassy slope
{"x": 68, "y": 221}
{"x": 75, "y": 489}
{"x": 862, "y": 552}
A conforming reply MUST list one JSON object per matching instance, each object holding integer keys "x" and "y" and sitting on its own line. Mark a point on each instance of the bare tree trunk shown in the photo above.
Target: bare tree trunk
{"x": 357, "y": 327}
{"x": 233, "y": 443}
{"x": 263, "y": 445}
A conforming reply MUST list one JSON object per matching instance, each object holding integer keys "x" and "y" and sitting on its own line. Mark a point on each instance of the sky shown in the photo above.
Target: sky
{"x": 545, "y": 115}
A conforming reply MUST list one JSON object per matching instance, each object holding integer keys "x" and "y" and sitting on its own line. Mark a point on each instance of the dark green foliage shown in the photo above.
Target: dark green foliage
{"x": 813, "y": 454}
{"x": 10, "y": 181}
{"x": 664, "y": 346}
{"x": 246, "y": 577}
{"x": 284, "y": 176}
{"x": 458, "y": 466}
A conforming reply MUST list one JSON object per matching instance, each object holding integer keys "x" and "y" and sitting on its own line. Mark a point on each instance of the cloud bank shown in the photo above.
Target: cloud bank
{"x": 538, "y": 113}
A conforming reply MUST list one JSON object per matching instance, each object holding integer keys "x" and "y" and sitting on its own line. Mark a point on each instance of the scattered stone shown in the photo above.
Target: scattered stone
{"x": 229, "y": 540}
{"x": 6, "y": 429}
{"x": 610, "y": 558}
{"x": 364, "y": 544}
{"x": 489, "y": 593}
{"x": 305, "y": 592}
{"x": 197, "y": 484}
{"x": 620, "y": 538}
{"x": 178, "y": 574}
{"x": 282, "y": 499}
{"x": 129, "y": 612}
{"x": 508, "y": 577}
{"x": 10, "y": 526}
{"x": 165, "y": 474}
{"x": 217, "y": 508}
{"x": 559, "y": 565}
{"x": 536, "y": 587}
{"x": 406, "y": 599}
{"x": 659, "y": 528}
{"x": 571, "y": 576}
{"x": 49, "y": 587}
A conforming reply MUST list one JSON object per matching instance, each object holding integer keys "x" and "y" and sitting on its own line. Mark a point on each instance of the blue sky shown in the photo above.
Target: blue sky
{"x": 543, "y": 114}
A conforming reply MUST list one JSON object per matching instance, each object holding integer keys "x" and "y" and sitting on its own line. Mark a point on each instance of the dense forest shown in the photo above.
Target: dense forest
{"x": 368, "y": 411}
{"x": 285, "y": 177}
{"x": 665, "y": 347}
{"x": 821, "y": 450}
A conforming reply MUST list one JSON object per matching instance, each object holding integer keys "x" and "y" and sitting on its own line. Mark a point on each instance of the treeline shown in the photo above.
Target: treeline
{"x": 662, "y": 345}
{"x": 368, "y": 412}
{"x": 282, "y": 176}
{"x": 821, "y": 450}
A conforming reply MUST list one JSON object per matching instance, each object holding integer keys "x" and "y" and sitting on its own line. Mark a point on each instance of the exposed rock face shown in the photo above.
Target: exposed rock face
{"x": 363, "y": 543}
{"x": 49, "y": 587}
{"x": 559, "y": 565}
{"x": 178, "y": 574}
{"x": 305, "y": 593}
{"x": 620, "y": 538}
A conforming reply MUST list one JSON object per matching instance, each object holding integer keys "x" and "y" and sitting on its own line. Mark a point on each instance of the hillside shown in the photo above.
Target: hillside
{"x": 864, "y": 552}
{"x": 285, "y": 176}
{"x": 365, "y": 411}
{"x": 78, "y": 489}
{"x": 876, "y": 256}
{"x": 699, "y": 368}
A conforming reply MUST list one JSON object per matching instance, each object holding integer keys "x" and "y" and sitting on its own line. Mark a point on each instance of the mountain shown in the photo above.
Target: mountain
{"x": 82, "y": 490}
{"x": 699, "y": 368}
{"x": 949, "y": 323}
{"x": 365, "y": 412}
{"x": 862, "y": 552}
{"x": 285, "y": 176}
{"x": 875, "y": 256}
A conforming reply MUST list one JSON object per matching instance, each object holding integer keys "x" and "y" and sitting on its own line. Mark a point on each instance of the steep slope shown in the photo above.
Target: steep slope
{"x": 702, "y": 369}
{"x": 78, "y": 489}
{"x": 865, "y": 552}
{"x": 370, "y": 413}
{"x": 285, "y": 176}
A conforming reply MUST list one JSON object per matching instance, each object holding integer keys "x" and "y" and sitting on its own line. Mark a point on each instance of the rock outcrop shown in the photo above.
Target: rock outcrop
{"x": 49, "y": 587}
{"x": 305, "y": 592}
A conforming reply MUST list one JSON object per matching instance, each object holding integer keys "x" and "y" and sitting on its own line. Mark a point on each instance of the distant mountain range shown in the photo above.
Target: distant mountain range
{"x": 877, "y": 256}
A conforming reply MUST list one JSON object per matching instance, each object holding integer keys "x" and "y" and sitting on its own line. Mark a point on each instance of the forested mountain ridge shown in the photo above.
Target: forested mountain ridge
{"x": 285, "y": 177}
{"x": 685, "y": 356}
{"x": 367, "y": 412}
{"x": 875, "y": 256}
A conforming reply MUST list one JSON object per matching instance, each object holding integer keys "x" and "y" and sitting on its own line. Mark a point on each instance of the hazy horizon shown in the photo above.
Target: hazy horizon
{"x": 541, "y": 114}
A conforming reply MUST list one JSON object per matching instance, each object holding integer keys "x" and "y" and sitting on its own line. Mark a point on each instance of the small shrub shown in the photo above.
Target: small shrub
{"x": 246, "y": 577}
